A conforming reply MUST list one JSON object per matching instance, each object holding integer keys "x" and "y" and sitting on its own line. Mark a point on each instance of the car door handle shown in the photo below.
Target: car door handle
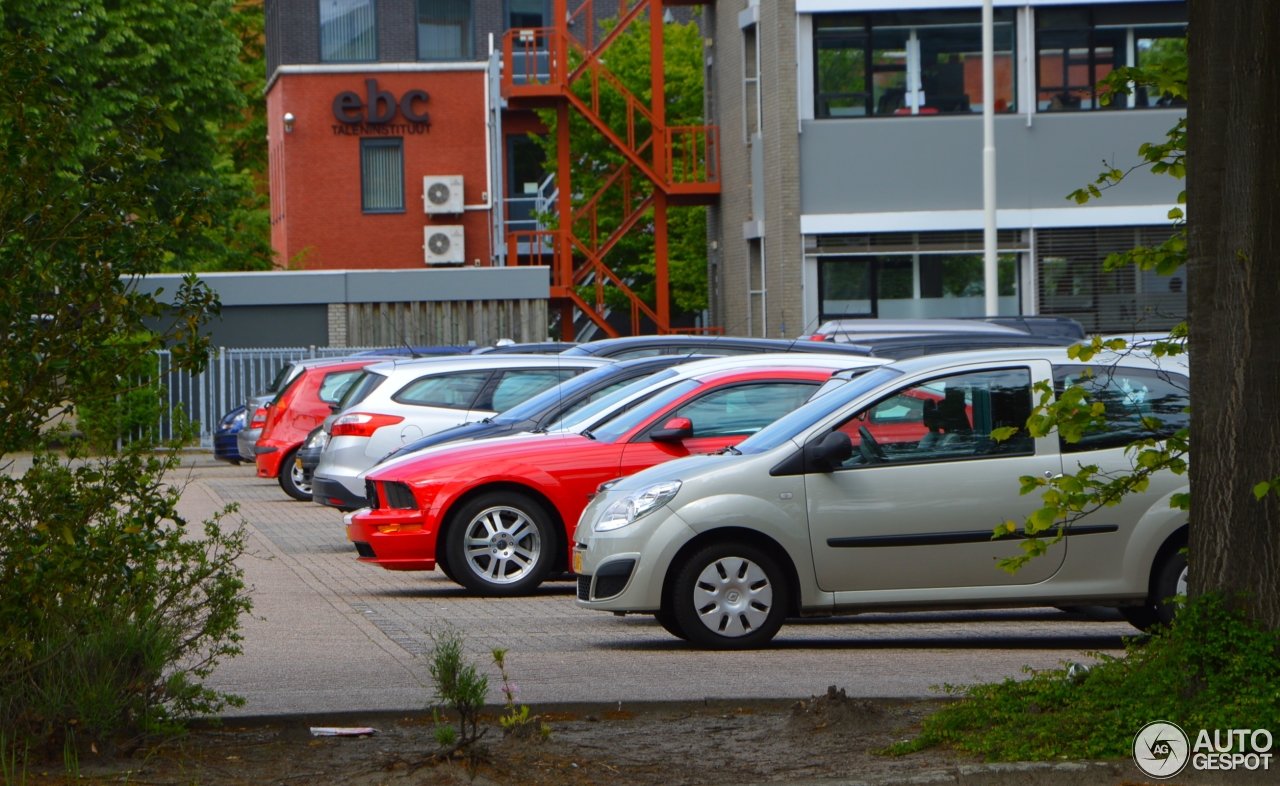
{"x": 1050, "y": 474}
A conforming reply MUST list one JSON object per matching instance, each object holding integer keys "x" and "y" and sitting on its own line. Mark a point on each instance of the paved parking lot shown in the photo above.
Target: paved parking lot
{"x": 332, "y": 634}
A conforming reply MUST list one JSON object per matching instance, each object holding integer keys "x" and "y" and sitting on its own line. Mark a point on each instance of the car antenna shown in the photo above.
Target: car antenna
{"x": 401, "y": 339}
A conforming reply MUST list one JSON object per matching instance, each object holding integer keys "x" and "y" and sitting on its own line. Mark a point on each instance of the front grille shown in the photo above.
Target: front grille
{"x": 584, "y": 588}
{"x": 365, "y": 550}
{"x": 371, "y": 494}
{"x": 399, "y": 496}
{"x": 612, "y": 578}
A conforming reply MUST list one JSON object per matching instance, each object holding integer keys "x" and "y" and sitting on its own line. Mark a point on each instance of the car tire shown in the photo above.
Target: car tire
{"x": 442, "y": 562}
{"x": 291, "y": 478}
{"x": 1168, "y": 580}
{"x": 501, "y": 544}
{"x": 729, "y": 596}
{"x": 668, "y": 622}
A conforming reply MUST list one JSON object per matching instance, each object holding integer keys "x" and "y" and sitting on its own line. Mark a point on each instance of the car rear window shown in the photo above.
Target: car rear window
{"x": 335, "y": 384}
{"x": 366, "y": 383}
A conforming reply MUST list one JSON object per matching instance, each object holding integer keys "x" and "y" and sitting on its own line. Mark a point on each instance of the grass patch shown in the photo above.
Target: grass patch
{"x": 1211, "y": 669}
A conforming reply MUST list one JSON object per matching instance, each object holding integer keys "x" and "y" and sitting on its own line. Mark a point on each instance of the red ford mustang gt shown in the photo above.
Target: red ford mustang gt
{"x": 496, "y": 515}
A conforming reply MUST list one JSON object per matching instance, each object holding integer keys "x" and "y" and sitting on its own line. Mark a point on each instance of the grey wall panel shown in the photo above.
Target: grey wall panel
{"x": 935, "y": 163}
{"x": 260, "y": 289}
{"x": 264, "y": 326}
{"x": 282, "y": 288}
{"x": 467, "y": 283}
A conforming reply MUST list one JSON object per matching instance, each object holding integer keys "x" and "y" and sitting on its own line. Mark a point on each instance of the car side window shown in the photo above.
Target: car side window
{"x": 945, "y": 419}
{"x": 1129, "y": 395}
{"x": 742, "y": 410}
{"x": 631, "y": 354}
{"x": 449, "y": 391}
{"x": 515, "y": 386}
{"x": 335, "y": 385}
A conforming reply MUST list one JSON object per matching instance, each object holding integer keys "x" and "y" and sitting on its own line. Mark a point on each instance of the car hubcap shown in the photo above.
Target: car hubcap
{"x": 300, "y": 479}
{"x": 502, "y": 545}
{"x": 733, "y": 596}
{"x": 1182, "y": 583}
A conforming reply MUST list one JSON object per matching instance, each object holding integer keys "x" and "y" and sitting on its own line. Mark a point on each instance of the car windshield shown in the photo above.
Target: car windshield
{"x": 586, "y": 415}
{"x": 533, "y": 407}
{"x": 788, "y": 426}
{"x": 614, "y": 429}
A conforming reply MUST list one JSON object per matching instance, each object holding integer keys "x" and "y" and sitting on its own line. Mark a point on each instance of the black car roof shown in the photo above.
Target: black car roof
{"x": 678, "y": 344}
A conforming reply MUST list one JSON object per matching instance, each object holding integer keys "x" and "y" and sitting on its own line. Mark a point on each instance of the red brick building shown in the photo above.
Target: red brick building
{"x": 377, "y": 111}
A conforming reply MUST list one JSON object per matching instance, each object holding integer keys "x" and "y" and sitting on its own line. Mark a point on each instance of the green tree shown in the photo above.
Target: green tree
{"x": 594, "y": 158}
{"x": 200, "y": 64}
{"x": 111, "y": 611}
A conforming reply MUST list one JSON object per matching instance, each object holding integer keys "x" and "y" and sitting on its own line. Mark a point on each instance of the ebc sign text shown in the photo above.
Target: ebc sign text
{"x": 373, "y": 114}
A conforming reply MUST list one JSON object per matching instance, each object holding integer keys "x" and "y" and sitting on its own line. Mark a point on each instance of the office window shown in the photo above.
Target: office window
{"x": 908, "y": 63}
{"x": 912, "y": 286}
{"x": 523, "y": 14}
{"x": 348, "y": 31}
{"x": 382, "y": 175}
{"x": 751, "y": 81}
{"x": 1077, "y": 47}
{"x": 444, "y": 30}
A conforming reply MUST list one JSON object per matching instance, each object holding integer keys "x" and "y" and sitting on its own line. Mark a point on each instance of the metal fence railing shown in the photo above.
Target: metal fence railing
{"x": 231, "y": 377}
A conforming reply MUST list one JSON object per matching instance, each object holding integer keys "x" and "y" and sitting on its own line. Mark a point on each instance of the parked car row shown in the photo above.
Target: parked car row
{"x": 725, "y": 485}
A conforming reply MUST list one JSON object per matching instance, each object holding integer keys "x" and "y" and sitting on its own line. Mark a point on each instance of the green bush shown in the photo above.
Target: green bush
{"x": 111, "y": 610}
{"x": 1211, "y": 669}
{"x": 134, "y": 412}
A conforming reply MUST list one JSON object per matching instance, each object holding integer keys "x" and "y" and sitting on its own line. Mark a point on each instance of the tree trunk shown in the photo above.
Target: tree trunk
{"x": 1233, "y": 219}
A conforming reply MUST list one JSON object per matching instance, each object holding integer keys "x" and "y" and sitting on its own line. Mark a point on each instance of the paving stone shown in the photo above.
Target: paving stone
{"x": 559, "y": 652}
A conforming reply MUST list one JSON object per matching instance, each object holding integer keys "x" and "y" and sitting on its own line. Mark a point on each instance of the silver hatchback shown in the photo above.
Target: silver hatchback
{"x": 395, "y": 403}
{"x": 882, "y": 494}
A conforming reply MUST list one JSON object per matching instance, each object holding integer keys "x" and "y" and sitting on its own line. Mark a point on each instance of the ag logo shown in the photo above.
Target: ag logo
{"x": 1160, "y": 749}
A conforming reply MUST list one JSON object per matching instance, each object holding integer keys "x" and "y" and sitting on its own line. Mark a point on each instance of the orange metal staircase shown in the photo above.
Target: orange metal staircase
{"x": 660, "y": 165}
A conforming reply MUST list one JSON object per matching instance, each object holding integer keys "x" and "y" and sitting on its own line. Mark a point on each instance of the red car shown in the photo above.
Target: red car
{"x": 496, "y": 515}
{"x": 298, "y": 409}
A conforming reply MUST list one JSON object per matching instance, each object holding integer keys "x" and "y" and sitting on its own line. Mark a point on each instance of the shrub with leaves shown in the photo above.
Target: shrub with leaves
{"x": 112, "y": 610}
{"x": 1211, "y": 669}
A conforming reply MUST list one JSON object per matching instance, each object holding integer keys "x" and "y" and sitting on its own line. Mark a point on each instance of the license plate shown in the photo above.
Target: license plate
{"x": 577, "y": 562}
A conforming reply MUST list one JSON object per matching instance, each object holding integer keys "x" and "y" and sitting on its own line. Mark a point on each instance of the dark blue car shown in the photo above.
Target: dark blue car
{"x": 225, "y": 447}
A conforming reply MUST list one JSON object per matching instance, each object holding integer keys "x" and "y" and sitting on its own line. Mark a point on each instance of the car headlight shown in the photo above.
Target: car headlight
{"x": 638, "y": 503}
{"x": 318, "y": 440}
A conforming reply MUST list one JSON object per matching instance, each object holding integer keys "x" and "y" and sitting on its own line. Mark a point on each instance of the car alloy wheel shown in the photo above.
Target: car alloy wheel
{"x": 293, "y": 479}
{"x": 500, "y": 544}
{"x": 729, "y": 596}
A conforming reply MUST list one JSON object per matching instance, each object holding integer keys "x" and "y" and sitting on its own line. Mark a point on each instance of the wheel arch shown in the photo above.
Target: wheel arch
{"x": 561, "y": 552}
{"x": 1177, "y": 540}
{"x": 755, "y": 538}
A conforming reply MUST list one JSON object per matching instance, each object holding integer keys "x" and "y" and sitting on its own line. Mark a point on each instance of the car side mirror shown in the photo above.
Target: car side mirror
{"x": 835, "y": 449}
{"x": 333, "y": 407}
{"x": 675, "y": 430}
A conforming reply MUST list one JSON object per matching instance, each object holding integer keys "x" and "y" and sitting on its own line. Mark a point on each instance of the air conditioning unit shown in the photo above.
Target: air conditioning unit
{"x": 442, "y": 194}
{"x": 445, "y": 245}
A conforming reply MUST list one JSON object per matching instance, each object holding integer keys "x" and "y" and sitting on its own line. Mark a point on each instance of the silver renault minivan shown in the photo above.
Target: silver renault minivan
{"x": 882, "y": 493}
